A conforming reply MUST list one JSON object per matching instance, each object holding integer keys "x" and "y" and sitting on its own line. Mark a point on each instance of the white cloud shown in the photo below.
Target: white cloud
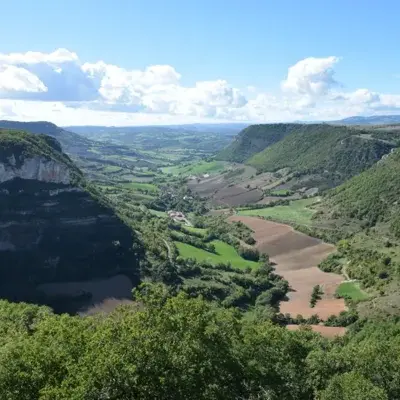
{"x": 360, "y": 96}
{"x": 311, "y": 77}
{"x": 63, "y": 115}
{"x": 15, "y": 79}
{"x": 60, "y": 87}
{"x": 33, "y": 57}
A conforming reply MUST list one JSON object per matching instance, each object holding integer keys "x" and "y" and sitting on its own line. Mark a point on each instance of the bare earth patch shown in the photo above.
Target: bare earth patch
{"x": 327, "y": 331}
{"x": 297, "y": 256}
{"x": 104, "y": 292}
{"x": 236, "y": 195}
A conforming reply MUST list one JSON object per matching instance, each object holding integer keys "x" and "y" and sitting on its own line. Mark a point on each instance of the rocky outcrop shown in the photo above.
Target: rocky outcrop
{"x": 38, "y": 168}
{"x": 53, "y": 226}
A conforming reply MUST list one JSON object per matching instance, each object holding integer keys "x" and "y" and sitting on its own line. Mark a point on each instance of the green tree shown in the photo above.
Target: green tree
{"x": 352, "y": 386}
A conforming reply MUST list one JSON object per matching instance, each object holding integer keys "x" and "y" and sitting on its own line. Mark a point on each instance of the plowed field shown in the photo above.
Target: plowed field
{"x": 297, "y": 256}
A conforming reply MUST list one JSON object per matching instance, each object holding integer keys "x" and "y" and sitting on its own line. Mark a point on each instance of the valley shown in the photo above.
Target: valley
{"x": 143, "y": 188}
{"x": 199, "y": 200}
{"x": 173, "y": 239}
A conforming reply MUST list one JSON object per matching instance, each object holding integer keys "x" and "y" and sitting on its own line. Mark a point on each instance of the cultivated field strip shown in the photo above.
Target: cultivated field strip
{"x": 297, "y": 256}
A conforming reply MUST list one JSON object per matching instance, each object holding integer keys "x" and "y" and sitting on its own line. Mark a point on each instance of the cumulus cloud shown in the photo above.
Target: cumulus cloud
{"x": 311, "y": 77}
{"x": 55, "y": 76}
{"x": 61, "y": 76}
{"x": 59, "y": 56}
{"x": 60, "y": 86}
{"x": 359, "y": 96}
{"x": 14, "y": 79}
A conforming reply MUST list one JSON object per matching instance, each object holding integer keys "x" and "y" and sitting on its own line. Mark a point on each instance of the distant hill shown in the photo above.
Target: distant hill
{"x": 254, "y": 139}
{"x": 203, "y": 139}
{"x": 372, "y": 120}
{"x": 83, "y": 150}
{"x": 71, "y": 142}
{"x": 339, "y": 150}
{"x": 224, "y": 128}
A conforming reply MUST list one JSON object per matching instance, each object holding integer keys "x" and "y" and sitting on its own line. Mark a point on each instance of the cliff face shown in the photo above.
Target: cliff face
{"x": 37, "y": 168}
{"x": 52, "y": 228}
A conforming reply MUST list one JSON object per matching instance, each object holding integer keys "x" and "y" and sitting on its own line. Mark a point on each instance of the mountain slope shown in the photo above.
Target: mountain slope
{"x": 71, "y": 142}
{"x": 254, "y": 139}
{"x": 372, "y": 196}
{"x": 320, "y": 148}
{"x": 75, "y": 145}
{"x": 372, "y": 120}
{"x": 55, "y": 227}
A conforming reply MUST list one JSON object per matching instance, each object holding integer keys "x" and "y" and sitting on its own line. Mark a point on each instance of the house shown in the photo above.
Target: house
{"x": 177, "y": 215}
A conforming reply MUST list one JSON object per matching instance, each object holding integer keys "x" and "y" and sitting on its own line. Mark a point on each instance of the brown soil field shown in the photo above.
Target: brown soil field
{"x": 297, "y": 256}
{"x": 236, "y": 196}
{"x": 208, "y": 186}
{"x": 222, "y": 193}
{"x": 326, "y": 331}
{"x": 109, "y": 305}
{"x": 118, "y": 288}
{"x": 231, "y": 190}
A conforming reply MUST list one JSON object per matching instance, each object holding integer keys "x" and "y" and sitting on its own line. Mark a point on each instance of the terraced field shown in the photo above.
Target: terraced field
{"x": 297, "y": 257}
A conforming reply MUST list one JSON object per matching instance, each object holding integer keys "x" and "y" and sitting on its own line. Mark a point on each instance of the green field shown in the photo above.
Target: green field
{"x": 296, "y": 212}
{"x": 160, "y": 214}
{"x": 352, "y": 290}
{"x": 137, "y": 196}
{"x": 224, "y": 254}
{"x": 139, "y": 185}
{"x": 202, "y": 167}
{"x": 195, "y": 230}
{"x": 112, "y": 168}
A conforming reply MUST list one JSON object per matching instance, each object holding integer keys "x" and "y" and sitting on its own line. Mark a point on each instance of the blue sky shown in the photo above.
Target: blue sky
{"x": 217, "y": 60}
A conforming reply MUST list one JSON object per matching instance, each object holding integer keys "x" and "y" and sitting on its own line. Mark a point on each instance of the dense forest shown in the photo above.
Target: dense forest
{"x": 254, "y": 139}
{"x": 316, "y": 148}
{"x": 372, "y": 196}
{"x": 173, "y": 347}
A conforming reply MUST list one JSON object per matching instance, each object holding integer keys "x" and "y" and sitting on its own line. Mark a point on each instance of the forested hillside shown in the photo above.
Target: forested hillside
{"x": 372, "y": 196}
{"x": 333, "y": 152}
{"x": 254, "y": 139}
{"x": 338, "y": 150}
{"x": 70, "y": 141}
{"x": 174, "y": 347}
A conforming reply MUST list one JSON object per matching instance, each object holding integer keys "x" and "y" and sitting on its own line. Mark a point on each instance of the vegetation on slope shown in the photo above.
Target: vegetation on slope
{"x": 338, "y": 151}
{"x": 53, "y": 232}
{"x": 254, "y": 139}
{"x": 69, "y": 140}
{"x": 18, "y": 145}
{"x": 174, "y": 347}
{"x": 370, "y": 197}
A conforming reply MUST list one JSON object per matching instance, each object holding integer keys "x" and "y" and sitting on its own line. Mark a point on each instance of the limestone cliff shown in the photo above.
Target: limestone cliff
{"x": 38, "y": 168}
{"x": 55, "y": 227}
